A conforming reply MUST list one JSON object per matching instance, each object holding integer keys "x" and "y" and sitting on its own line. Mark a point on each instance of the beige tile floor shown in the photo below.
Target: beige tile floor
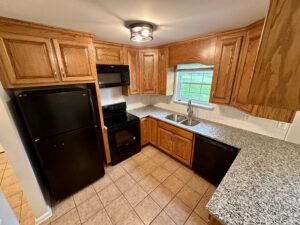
{"x": 13, "y": 193}
{"x": 148, "y": 188}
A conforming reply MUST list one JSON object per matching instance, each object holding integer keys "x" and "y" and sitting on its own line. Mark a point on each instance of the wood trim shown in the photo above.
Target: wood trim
{"x": 179, "y": 131}
{"x": 9, "y": 25}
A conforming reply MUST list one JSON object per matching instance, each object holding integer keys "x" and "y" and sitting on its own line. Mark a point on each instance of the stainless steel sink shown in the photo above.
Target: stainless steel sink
{"x": 190, "y": 122}
{"x": 176, "y": 117}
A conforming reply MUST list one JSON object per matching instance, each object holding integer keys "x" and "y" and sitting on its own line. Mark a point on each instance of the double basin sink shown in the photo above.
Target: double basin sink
{"x": 182, "y": 119}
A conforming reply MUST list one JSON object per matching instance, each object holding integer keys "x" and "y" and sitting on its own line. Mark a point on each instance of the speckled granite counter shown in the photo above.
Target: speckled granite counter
{"x": 263, "y": 184}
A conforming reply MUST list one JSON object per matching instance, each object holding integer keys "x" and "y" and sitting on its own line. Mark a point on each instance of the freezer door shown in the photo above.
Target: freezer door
{"x": 70, "y": 161}
{"x": 47, "y": 114}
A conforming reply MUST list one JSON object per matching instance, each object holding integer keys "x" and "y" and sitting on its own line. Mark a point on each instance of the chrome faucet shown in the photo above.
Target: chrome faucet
{"x": 190, "y": 110}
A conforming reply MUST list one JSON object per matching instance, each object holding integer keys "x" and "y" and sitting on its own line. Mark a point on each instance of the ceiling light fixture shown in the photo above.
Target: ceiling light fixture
{"x": 141, "y": 32}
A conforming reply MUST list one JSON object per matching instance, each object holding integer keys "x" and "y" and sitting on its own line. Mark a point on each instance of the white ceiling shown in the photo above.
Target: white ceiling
{"x": 176, "y": 19}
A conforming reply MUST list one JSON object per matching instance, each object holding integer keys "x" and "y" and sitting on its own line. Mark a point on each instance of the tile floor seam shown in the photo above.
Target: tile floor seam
{"x": 182, "y": 202}
{"x": 2, "y": 176}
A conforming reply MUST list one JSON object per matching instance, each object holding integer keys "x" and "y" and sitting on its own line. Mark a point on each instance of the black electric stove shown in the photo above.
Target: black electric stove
{"x": 123, "y": 131}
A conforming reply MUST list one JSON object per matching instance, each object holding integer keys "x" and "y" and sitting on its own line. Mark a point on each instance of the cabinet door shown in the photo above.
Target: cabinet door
{"x": 153, "y": 131}
{"x": 133, "y": 62}
{"x": 165, "y": 140}
{"x": 245, "y": 71}
{"x": 227, "y": 56}
{"x": 149, "y": 71}
{"x": 75, "y": 60}
{"x": 144, "y": 131}
{"x": 244, "y": 78}
{"x": 276, "y": 76}
{"x": 27, "y": 60}
{"x": 109, "y": 54}
{"x": 182, "y": 149}
{"x": 162, "y": 70}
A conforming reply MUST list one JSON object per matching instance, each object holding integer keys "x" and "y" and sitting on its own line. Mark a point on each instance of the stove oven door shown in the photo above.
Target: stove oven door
{"x": 124, "y": 141}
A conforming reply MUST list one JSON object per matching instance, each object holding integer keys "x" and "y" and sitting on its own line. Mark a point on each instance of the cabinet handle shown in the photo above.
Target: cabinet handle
{"x": 55, "y": 73}
{"x": 62, "y": 71}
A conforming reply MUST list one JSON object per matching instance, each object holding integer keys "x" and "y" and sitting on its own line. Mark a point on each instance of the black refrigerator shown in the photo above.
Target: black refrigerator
{"x": 63, "y": 131}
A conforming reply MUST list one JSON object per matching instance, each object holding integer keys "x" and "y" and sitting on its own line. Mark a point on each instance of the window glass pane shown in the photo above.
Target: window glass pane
{"x": 194, "y": 82}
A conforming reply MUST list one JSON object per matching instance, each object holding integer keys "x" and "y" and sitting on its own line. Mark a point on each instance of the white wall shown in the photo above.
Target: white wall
{"x": 114, "y": 95}
{"x": 227, "y": 115}
{"x": 293, "y": 134}
{"x": 7, "y": 216}
{"x": 12, "y": 144}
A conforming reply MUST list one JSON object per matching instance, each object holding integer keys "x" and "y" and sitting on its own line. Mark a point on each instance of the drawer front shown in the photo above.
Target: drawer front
{"x": 176, "y": 130}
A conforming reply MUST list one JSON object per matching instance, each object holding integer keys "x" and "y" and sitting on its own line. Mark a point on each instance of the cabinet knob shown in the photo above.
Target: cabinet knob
{"x": 55, "y": 73}
{"x": 62, "y": 71}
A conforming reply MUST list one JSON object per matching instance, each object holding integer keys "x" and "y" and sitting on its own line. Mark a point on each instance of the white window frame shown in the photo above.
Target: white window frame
{"x": 199, "y": 105}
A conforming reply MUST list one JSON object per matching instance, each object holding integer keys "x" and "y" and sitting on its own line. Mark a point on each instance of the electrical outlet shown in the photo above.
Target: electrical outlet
{"x": 246, "y": 117}
{"x": 282, "y": 125}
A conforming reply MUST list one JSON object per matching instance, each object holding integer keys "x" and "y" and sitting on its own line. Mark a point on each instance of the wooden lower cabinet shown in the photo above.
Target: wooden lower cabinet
{"x": 152, "y": 123}
{"x": 144, "y": 126}
{"x": 213, "y": 221}
{"x": 165, "y": 140}
{"x": 148, "y": 131}
{"x": 176, "y": 141}
{"x": 182, "y": 149}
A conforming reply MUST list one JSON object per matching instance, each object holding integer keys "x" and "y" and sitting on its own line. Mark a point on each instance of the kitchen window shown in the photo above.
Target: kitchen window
{"x": 193, "y": 82}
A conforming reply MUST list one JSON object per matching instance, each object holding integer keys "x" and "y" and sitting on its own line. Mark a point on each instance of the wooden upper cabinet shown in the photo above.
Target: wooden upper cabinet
{"x": 166, "y": 76}
{"x": 244, "y": 77}
{"x": 27, "y": 60}
{"x": 75, "y": 60}
{"x": 132, "y": 59}
{"x": 182, "y": 149}
{"x": 245, "y": 72}
{"x": 109, "y": 54}
{"x": 200, "y": 50}
{"x": 226, "y": 61}
{"x": 149, "y": 71}
{"x": 162, "y": 70}
{"x": 276, "y": 79}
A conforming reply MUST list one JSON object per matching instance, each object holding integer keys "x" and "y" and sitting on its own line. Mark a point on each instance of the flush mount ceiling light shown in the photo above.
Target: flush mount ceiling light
{"x": 141, "y": 32}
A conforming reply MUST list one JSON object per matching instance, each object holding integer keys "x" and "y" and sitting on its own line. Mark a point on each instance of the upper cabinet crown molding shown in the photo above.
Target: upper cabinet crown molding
{"x": 276, "y": 79}
{"x": 15, "y": 26}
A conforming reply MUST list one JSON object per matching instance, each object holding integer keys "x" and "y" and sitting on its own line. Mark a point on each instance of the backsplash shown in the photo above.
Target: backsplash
{"x": 114, "y": 95}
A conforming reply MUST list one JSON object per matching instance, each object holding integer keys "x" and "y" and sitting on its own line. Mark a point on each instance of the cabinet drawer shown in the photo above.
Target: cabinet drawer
{"x": 176, "y": 130}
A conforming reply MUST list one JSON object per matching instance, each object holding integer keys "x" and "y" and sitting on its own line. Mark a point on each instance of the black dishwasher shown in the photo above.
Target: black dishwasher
{"x": 212, "y": 159}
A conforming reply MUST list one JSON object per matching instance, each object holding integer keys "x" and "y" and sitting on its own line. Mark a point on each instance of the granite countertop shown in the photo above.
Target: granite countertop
{"x": 262, "y": 185}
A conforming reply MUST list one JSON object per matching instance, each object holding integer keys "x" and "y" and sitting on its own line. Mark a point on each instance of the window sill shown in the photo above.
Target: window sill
{"x": 202, "y": 106}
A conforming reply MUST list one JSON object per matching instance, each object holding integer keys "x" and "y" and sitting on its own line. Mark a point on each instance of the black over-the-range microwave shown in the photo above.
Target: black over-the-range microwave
{"x": 113, "y": 75}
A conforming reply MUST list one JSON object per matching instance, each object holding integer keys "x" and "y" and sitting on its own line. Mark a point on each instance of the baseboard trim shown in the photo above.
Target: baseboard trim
{"x": 44, "y": 217}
